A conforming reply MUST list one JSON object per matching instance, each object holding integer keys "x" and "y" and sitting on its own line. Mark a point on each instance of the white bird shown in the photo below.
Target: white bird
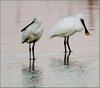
{"x": 31, "y": 34}
{"x": 67, "y": 27}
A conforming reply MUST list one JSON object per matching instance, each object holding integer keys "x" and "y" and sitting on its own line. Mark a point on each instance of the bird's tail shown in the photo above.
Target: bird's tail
{"x": 23, "y": 41}
{"x": 52, "y": 36}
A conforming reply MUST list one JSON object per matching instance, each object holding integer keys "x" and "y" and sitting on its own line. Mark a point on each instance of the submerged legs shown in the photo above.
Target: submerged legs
{"x": 31, "y": 66}
{"x": 66, "y": 50}
{"x": 67, "y": 62}
{"x": 33, "y": 56}
{"x": 29, "y": 57}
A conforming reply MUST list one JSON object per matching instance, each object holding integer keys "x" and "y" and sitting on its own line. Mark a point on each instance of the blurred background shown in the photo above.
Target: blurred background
{"x": 15, "y": 15}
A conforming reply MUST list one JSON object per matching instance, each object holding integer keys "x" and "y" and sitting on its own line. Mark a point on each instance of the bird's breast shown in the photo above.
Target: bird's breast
{"x": 32, "y": 38}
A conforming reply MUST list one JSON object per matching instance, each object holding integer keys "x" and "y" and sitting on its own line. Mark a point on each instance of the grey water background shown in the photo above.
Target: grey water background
{"x": 50, "y": 71}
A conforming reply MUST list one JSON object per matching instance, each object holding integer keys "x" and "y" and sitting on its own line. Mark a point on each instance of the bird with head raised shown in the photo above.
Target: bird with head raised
{"x": 67, "y": 27}
{"x": 31, "y": 34}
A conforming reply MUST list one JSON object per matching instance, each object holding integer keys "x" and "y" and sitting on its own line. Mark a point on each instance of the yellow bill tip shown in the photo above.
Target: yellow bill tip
{"x": 87, "y": 34}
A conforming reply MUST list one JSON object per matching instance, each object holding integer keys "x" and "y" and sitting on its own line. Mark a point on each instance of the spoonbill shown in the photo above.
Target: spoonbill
{"x": 67, "y": 27}
{"x": 31, "y": 34}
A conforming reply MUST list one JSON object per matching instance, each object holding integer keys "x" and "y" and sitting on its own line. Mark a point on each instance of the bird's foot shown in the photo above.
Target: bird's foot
{"x": 70, "y": 51}
{"x": 29, "y": 69}
{"x": 33, "y": 69}
{"x": 67, "y": 64}
{"x": 33, "y": 58}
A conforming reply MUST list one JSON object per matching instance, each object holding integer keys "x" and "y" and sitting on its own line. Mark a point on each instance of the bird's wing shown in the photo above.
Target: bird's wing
{"x": 25, "y": 40}
{"x": 63, "y": 28}
{"x": 37, "y": 29}
{"x": 34, "y": 30}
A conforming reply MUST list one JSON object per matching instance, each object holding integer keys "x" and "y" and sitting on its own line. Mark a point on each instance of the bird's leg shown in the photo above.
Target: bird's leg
{"x": 68, "y": 58}
{"x": 68, "y": 44}
{"x": 29, "y": 57}
{"x": 33, "y": 56}
{"x": 65, "y": 51}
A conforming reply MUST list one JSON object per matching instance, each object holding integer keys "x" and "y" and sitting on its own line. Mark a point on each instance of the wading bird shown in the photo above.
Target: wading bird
{"x": 67, "y": 27}
{"x": 31, "y": 34}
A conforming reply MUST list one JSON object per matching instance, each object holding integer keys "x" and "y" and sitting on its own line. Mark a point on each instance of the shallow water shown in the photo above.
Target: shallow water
{"x": 50, "y": 71}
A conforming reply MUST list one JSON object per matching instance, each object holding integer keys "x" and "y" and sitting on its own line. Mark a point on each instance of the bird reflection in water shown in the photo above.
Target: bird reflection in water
{"x": 66, "y": 60}
{"x": 31, "y": 79}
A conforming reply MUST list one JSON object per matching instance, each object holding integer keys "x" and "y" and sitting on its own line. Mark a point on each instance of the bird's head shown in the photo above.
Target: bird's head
{"x": 36, "y": 20}
{"x": 81, "y": 17}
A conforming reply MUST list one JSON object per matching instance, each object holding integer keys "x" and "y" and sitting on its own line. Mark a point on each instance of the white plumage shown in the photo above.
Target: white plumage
{"x": 32, "y": 32}
{"x": 67, "y": 26}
